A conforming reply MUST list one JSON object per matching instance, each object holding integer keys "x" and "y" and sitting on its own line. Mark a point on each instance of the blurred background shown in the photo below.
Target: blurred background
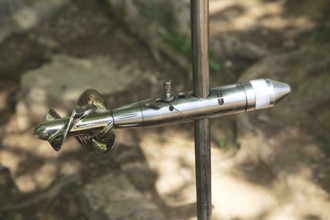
{"x": 267, "y": 165}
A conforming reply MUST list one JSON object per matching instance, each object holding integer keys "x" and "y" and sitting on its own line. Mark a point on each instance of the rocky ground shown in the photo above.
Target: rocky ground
{"x": 266, "y": 165}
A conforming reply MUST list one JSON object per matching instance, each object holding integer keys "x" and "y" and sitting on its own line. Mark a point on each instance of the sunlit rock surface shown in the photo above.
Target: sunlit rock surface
{"x": 114, "y": 197}
{"x": 60, "y": 83}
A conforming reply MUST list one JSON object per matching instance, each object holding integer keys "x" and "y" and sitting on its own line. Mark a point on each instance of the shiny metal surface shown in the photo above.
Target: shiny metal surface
{"x": 191, "y": 108}
{"x": 167, "y": 95}
{"x": 200, "y": 59}
{"x": 203, "y": 168}
{"x": 200, "y": 62}
{"x": 200, "y": 43}
{"x": 91, "y": 118}
{"x": 91, "y": 123}
{"x": 250, "y": 96}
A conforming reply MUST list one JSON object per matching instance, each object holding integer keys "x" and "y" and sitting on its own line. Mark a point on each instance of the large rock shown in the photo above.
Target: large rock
{"x": 17, "y": 16}
{"x": 278, "y": 146}
{"x": 302, "y": 116}
{"x": 291, "y": 141}
{"x": 114, "y": 197}
{"x": 307, "y": 71}
{"x": 59, "y": 84}
{"x": 163, "y": 25}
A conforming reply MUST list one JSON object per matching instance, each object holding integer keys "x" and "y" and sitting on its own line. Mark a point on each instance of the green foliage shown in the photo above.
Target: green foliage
{"x": 161, "y": 13}
{"x": 214, "y": 64}
{"x": 323, "y": 142}
{"x": 321, "y": 34}
{"x": 179, "y": 42}
{"x": 182, "y": 44}
{"x": 224, "y": 144}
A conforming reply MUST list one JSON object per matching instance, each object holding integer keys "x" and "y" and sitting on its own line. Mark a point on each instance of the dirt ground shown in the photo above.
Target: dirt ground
{"x": 47, "y": 193}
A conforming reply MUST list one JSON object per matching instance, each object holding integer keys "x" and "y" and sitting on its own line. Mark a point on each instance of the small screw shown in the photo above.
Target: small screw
{"x": 167, "y": 94}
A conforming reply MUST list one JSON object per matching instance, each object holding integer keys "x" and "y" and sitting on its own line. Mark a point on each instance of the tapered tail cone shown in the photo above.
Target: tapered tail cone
{"x": 98, "y": 142}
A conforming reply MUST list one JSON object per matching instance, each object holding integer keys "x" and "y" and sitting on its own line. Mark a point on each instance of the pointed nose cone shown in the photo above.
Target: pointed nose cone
{"x": 268, "y": 92}
{"x": 281, "y": 90}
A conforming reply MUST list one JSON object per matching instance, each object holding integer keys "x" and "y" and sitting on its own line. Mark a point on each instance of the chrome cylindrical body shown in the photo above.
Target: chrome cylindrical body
{"x": 185, "y": 107}
{"x": 181, "y": 107}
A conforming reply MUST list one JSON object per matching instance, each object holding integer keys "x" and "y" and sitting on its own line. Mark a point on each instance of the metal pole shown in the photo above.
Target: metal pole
{"x": 200, "y": 35}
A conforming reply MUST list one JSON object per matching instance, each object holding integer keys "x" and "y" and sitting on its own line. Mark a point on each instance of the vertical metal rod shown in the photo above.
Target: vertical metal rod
{"x": 200, "y": 39}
